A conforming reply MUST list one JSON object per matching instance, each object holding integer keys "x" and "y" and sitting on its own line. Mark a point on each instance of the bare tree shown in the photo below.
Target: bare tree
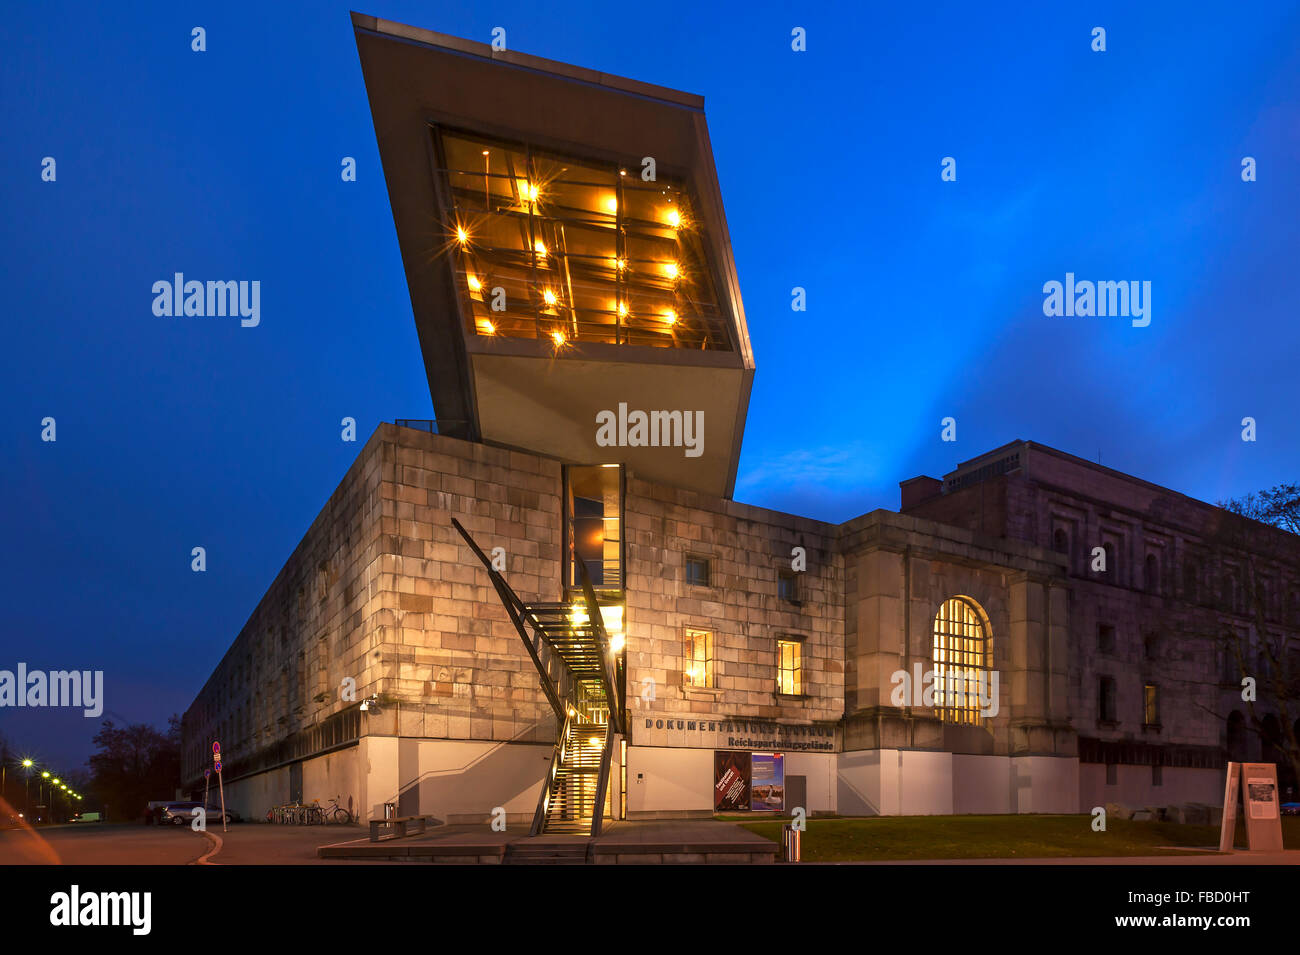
{"x": 1274, "y": 664}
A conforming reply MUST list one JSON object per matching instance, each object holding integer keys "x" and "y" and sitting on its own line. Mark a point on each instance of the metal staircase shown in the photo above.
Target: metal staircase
{"x": 582, "y": 681}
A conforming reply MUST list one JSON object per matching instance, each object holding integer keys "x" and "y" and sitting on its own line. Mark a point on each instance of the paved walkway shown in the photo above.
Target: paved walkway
{"x": 677, "y": 837}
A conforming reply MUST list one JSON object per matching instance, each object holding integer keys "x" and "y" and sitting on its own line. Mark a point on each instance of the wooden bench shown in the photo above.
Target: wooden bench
{"x": 401, "y": 827}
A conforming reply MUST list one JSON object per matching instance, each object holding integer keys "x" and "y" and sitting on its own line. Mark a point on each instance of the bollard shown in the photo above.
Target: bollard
{"x": 790, "y": 843}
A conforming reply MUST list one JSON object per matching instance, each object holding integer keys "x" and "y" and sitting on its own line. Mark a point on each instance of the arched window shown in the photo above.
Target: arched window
{"x": 963, "y": 657}
{"x": 1152, "y": 574}
{"x": 1270, "y": 740}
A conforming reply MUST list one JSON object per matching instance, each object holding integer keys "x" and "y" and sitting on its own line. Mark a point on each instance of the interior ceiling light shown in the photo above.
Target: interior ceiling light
{"x": 558, "y": 338}
{"x": 474, "y": 284}
{"x": 549, "y": 296}
{"x": 670, "y": 268}
{"x": 461, "y": 235}
{"x": 671, "y": 316}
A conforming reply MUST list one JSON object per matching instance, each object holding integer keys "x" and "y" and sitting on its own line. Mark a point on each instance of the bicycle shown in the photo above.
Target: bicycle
{"x": 334, "y": 813}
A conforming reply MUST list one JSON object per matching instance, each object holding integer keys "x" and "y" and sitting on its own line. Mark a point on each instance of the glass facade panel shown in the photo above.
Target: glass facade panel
{"x": 560, "y": 248}
{"x": 595, "y": 535}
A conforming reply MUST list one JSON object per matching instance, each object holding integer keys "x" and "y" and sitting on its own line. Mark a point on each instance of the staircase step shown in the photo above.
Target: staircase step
{"x": 545, "y": 853}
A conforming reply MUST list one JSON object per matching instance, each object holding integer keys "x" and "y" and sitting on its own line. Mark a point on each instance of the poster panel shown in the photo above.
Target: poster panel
{"x": 1261, "y": 807}
{"x": 767, "y": 782}
{"x": 731, "y": 776}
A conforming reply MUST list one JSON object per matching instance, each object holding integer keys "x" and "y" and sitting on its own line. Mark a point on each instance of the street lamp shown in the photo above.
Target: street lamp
{"x": 27, "y": 790}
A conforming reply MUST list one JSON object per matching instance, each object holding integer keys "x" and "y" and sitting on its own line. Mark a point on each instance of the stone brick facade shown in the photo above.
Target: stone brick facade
{"x": 382, "y": 591}
{"x": 1175, "y": 579}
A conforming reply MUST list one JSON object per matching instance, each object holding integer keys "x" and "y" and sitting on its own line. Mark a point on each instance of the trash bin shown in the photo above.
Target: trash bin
{"x": 790, "y": 843}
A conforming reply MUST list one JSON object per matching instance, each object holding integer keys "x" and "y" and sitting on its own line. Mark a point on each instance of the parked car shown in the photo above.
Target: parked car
{"x": 153, "y": 811}
{"x": 182, "y": 814}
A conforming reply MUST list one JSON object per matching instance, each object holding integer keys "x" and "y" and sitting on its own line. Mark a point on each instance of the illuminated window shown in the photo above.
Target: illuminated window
{"x": 963, "y": 657}
{"x": 697, "y": 669}
{"x": 789, "y": 673}
{"x": 594, "y": 499}
{"x": 1150, "y": 705}
{"x": 579, "y": 252}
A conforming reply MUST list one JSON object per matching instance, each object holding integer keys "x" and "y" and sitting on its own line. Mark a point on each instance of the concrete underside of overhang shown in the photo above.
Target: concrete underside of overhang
{"x": 549, "y": 406}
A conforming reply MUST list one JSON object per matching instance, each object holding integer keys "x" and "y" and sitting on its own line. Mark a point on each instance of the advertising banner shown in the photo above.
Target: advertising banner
{"x": 731, "y": 782}
{"x": 767, "y": 782}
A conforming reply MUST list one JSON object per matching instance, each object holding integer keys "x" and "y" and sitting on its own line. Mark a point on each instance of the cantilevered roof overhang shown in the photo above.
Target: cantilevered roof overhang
{"x": 525, "y": 390}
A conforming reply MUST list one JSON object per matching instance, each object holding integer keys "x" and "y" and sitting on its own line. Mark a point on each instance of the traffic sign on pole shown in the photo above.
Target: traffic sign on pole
{"x": 216, "y": 758}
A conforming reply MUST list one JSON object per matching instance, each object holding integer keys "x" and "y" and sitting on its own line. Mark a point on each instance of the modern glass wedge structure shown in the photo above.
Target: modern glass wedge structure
{"x": 565, "y": 250}
{"x": 548, "y": 605}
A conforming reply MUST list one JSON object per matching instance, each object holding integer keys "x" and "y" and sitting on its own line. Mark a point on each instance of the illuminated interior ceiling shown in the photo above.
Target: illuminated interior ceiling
{"x": 567, "y": 250}
{"x": 517, "y": 182}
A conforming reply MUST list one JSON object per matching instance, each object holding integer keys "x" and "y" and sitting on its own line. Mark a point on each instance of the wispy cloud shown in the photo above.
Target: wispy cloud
{"x": 838, "y": 465}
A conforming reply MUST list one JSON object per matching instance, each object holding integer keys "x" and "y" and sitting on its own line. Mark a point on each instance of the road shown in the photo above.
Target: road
{"x": 134, "y": 844}
{"x": 94, "y": 844}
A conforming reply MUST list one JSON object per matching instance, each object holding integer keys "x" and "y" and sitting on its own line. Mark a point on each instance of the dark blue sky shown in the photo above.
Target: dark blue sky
{"x": 925, "y": 298}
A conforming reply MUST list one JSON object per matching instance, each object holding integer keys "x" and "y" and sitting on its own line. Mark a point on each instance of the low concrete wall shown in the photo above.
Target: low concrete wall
{"x": 1134, "y": 787}
{"x": 665, "y": 779}
{"x": 891, "y": 782}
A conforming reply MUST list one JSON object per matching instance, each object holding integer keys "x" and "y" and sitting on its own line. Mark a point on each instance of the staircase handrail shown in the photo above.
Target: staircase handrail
{"x": 544, "y": 801}
{"x": 519, "y": 614}
{"x": 608, "y": 673}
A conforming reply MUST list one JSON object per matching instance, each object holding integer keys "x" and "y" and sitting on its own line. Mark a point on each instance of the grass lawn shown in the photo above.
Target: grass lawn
{"x": 997, "y": 837}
